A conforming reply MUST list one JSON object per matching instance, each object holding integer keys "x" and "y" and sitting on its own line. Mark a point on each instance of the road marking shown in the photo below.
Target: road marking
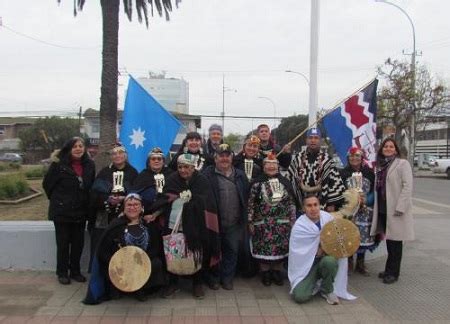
{"x": 423, "y": 211}
{"x": 429, "y": 202}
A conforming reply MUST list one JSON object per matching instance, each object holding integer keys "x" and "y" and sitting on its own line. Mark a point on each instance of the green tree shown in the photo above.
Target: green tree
{"x": 108, "y": 92}
{"x": 48, "y": 133}
{"x": 234, "y": 140}
{"x": 289, "y": 128}
{"x": 398, "y": 101}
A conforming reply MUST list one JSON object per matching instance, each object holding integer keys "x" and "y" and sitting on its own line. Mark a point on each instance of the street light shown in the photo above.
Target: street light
{"x": 413, "y": 81}
{"x": 274, "y": 110}
{"x": 224, "y": 89}
{"x": 299, "y": 73}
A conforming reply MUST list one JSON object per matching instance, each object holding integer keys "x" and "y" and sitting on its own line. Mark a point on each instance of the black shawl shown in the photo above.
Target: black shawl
{"x": 200, "y": 221}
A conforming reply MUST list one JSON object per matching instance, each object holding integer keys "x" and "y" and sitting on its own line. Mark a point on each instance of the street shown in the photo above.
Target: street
{"x": 423, "y": 291}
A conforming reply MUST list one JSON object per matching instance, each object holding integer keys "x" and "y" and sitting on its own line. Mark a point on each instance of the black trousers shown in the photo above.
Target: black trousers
{"x": 69, "y": 247}
{"x": 394, "y": 249}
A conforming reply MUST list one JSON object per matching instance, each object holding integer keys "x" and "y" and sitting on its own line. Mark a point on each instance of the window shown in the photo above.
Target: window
{"x": 2, "y": 130}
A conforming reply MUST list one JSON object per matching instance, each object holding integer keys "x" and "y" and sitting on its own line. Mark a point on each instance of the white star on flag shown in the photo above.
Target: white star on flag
{"x": 138, "y": 138}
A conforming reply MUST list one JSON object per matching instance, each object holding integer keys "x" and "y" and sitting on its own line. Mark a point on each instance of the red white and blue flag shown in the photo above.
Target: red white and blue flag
{"x": 353, "y": 123}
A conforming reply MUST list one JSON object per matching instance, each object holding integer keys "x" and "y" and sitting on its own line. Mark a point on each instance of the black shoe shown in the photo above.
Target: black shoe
{"x": 78, "y": 277}
{"x": 213, "y": 285}
{"x": 64, "y": 280}
{"x": 141, "y": 296}
{"x": 228, "y": 285}
{"x": 170, "y": 290}
{"x": 266, "y": 278}
{"x": 277, "y": 278}
{"x": 389, "y": 279}
{"x": 381, "y": 274}
{"x": 197, "y": 291}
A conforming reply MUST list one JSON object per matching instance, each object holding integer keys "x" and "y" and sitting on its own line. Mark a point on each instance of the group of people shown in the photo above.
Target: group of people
{"x": 258, "y": 210}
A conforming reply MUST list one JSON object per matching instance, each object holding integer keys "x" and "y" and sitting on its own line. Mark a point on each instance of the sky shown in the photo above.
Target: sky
{"x": 51, "y": 60}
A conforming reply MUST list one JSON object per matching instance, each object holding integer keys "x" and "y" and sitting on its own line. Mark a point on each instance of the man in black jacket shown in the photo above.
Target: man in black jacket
{"x": 230, "y": 188}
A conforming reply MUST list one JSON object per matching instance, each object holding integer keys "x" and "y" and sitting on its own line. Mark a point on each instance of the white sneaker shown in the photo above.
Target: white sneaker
{"x": 331, "y": 298}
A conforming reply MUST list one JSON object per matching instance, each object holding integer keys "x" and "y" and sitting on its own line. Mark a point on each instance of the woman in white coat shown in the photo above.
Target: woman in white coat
{"x": 393, "y": 207}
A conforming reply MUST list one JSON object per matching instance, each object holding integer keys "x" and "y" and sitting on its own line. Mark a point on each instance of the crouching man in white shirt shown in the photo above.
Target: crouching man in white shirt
{"x": 310, "y": 269}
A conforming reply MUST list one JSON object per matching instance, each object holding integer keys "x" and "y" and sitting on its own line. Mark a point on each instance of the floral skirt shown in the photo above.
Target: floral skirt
{"x": 271, "y": 239}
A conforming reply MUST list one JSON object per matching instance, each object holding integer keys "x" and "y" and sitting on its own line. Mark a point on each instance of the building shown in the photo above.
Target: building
{"x": 9, "y": 131}
{"x": 433, "y": 139}
{"x": 171, "y": 93}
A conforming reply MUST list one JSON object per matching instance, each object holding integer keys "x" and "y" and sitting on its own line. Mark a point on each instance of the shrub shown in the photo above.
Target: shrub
{"x": 6, "y": 166}
{"x": 14, "y": 165}
{"x": 11, "y": 186}
{"x": 37, "y": 172}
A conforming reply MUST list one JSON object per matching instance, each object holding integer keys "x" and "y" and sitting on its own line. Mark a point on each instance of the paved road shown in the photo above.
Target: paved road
{"x": 422, "y": 295}
{"x": 423, "y": 292}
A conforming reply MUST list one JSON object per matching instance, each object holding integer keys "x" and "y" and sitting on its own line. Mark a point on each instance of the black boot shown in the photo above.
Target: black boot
{"x": 360, "y": 266}
{"x": 266, "y": 278}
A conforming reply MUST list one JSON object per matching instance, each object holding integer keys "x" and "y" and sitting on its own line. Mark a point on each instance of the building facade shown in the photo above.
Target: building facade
{"x": 171, "y": 93}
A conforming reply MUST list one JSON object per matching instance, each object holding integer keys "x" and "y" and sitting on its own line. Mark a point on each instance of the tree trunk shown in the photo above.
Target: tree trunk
{"x": 108, "y": 97}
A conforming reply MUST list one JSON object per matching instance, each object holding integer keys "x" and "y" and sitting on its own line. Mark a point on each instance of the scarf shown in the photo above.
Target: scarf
{"x": 383, "y": 167}
{"x": 77, "y": 167}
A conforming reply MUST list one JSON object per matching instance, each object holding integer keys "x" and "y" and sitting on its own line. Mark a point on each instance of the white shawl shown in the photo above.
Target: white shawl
{"x": 303, "y": 245}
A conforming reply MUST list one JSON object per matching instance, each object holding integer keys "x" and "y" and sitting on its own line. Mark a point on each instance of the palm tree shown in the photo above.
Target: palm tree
{"x": 108, "y": 96}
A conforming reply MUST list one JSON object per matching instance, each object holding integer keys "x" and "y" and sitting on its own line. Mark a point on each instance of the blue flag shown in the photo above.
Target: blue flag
{"x": 145, "y": 125}
{"x": 353, "y": 124}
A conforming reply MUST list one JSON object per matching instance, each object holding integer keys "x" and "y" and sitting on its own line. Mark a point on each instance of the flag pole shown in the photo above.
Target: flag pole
{"x": 336, "y": 106}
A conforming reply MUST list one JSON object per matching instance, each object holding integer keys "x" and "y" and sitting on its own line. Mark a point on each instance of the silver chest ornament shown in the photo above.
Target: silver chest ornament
{"x": 159, "y": 182}
{"x": 118, "y": 182}
{"x": 248, "y": 168}
{"x": 356, "y": 181}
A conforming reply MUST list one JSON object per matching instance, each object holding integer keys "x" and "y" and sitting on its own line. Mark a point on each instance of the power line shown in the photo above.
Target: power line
{"x": 45, "y": 42}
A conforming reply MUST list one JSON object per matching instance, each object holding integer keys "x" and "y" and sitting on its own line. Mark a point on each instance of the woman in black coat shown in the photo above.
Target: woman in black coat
{"x": 150, "y": 182}
{"x": 128, "y": 229}
{"x": 107, "y": 194}
{"x": 67, "y": 184}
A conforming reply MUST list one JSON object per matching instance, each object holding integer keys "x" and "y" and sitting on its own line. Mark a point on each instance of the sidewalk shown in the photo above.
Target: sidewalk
{"x": 421, "y": 295}
{"x": 36, "y": 297}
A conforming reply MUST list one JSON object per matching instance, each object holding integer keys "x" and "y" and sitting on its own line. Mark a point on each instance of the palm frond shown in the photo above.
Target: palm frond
{"x": 77, "y": 5}
{"x": 128, "y": 8}
{"x": 162, "y": 7}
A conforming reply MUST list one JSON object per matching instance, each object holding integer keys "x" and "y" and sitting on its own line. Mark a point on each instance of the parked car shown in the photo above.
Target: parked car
{"x": 442, "y": 166}
{"x": 11, "y": 157}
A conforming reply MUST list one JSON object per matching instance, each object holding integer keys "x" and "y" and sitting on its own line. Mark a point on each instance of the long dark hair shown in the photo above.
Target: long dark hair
{"x": 380, "y": 149}
{"x": 64, "y": 154}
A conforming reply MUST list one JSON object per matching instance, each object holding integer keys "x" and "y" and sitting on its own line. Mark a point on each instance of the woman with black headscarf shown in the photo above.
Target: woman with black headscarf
{"x": 192, "y": 144}
{"x": 199, "y": 222}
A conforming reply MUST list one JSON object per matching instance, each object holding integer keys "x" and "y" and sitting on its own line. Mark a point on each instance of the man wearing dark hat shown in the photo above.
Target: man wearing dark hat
{"x": 230, "y": 188}
{"x": 313, "y": 171}
{"x": 267, "y": 146}
{"x": 215, "y": 138}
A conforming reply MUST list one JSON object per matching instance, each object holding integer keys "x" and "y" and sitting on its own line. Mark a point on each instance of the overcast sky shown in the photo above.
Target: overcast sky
{"x": 253, "y": 42}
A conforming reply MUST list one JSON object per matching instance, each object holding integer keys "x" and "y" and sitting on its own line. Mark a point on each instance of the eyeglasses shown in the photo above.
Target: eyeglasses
{"x": 156, "y": 159}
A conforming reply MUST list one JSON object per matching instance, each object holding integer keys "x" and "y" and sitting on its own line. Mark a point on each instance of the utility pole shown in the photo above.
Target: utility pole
{"x": 79, "y": 120}
{"x": 313, "y": 60}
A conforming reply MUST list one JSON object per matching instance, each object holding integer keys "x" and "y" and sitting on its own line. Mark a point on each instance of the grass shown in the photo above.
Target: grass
{"x": 34, "y": 209}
